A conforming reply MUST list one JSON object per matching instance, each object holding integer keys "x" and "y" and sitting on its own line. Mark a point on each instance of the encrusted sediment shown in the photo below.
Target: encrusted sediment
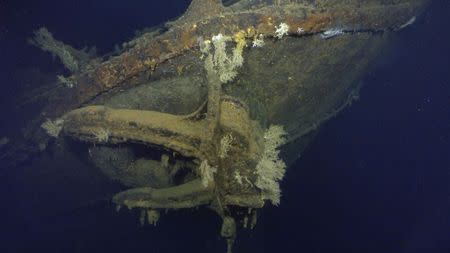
{"x": 188, "y": 195}
{"x": 232, "y": 152}
{"x": 150, "y": 51}
{"x": 185, "y": 135}
{"x": 135, "y": 126}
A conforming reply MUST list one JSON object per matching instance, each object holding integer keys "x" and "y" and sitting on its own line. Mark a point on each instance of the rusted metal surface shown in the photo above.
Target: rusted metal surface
{"x": 133, "y": 126}
{"x": 186, "y": 136}
{"x": 296, "y": 97}
{"x": 149, "y": 52}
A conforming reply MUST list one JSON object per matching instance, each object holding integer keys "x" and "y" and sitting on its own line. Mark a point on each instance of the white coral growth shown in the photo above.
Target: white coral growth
{"x": 101, "y": 135}
{"x": 300, "y": 30}
{"x": 44, "y": 39}
{"x": 53, "y": 127}
{"x": 207, "y": 173}
{"x": 258, "y": 41}
{"x": 271, "y": 168}
{"x": 152, "y": 216}
{"x": 68, "y": 82}
{"x": 281, "y": 30}
{"x": 219, "y": 62}
{"x": 225, "y": 145}
{"x": 238, "y": 177}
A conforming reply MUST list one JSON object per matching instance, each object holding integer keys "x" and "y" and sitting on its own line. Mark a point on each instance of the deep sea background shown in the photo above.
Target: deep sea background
{"x": 376, "y": 178}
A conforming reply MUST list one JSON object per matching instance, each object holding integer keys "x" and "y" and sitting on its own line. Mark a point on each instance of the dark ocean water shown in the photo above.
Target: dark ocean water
{"x": 376, "y": 178}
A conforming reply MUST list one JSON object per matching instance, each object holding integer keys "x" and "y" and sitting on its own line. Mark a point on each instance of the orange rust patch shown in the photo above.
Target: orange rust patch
{"x": 151, "y": 63}
{"x": 315, "y": 22}
{"x": 109, "y": 75}
{"x": 105, "y": 76}
{"x": 128, "y": 66}
{"x": 153, "y": 50}
{"x": 166, "y": 46}
{"x": 266, "y": 25}
{"x": 187, "y": 40}
{"x": 132, "y": 67}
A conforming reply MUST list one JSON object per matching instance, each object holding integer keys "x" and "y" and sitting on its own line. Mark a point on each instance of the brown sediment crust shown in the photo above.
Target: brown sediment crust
{"x": 134, "y": 126}
{"x": 150, "y": 52}
{"x": 187, "y": 195}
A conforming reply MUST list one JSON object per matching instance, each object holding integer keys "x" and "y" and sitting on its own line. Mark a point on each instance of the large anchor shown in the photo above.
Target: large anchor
{"x": 219, "y": 137}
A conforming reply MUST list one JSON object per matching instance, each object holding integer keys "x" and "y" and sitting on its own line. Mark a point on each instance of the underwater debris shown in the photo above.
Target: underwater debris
{"x": 44, "y": 40}
{"x": 73, "y": 59}
{"x": 207, "y": 173}
{"x": 328, "y": 34}
{"x": 152, "y": 216}
{"x": 142, "y": 215}
{"x": 408, "y": 23}
{"x": 101, "y": 135}
{"x": 66, "y": 81}
{"x": 238, "y": 177}
{"x": 53, "y": 127}
{"x": 228, "y": 231}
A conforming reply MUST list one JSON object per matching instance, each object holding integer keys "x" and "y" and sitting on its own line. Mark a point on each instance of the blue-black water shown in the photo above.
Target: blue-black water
{"x": 375, "y": 179}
